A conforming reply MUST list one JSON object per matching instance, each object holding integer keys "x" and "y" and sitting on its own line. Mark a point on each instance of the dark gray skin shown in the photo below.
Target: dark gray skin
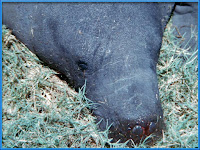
{"x": 185, "y": 19}
{"x": 114, "y": 46}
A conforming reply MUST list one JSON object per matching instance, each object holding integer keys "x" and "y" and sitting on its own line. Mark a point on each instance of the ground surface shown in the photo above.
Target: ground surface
{"x": 40, "y": 110}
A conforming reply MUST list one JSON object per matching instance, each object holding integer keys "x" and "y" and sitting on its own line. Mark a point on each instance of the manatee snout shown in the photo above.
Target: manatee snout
{"x": 134, "y": 130}
{"x": 132, "y": 118}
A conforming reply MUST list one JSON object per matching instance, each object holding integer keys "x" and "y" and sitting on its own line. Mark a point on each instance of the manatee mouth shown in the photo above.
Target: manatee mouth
{"x": 145, "y": 130}
{"x": 137, "y": 131}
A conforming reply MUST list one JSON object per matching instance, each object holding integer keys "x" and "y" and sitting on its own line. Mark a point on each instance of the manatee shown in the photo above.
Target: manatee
{"x": 114, "y": 47}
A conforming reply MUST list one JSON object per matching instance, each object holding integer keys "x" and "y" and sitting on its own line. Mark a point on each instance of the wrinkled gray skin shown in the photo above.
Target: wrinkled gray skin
{"x": 114, "y": 46}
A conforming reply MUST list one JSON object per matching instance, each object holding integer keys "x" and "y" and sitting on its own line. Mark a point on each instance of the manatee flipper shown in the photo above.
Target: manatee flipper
{"x": 185, "y": 20}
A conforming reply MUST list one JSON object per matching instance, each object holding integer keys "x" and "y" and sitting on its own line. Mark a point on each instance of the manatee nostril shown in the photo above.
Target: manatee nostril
{"x": 152, "y": 127}
{"x": 137, "y": 130}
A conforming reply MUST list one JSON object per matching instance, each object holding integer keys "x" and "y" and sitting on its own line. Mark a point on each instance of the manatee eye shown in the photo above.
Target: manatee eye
{"x": 82, "y": 65}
